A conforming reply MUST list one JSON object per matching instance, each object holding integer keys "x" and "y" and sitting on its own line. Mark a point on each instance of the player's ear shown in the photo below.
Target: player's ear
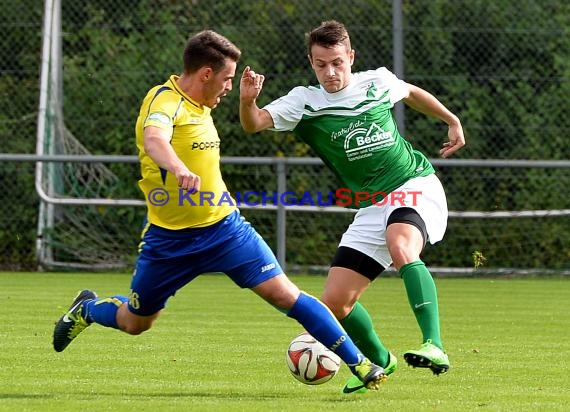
{"x": 351, "y": 55}
{"x": 310, "y": 59}
{"x": 206, "y": 73}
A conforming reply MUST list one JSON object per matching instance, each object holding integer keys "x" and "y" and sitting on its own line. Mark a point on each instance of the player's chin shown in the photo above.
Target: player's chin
{"x": 216, "y": 101}
{"x": 332, "y": 87}
{"x": 212, "y": 104}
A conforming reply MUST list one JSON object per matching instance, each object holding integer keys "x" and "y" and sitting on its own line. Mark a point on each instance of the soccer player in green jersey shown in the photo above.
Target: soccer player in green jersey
{"x": 188, "y": 234}
{"x": 348, "y": 122}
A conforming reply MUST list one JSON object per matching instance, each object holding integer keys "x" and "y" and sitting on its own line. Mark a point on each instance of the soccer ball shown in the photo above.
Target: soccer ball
{"x": 311, "y": 362}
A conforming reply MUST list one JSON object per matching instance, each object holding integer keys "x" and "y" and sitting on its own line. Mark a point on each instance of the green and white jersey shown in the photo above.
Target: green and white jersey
{"x": 353, "y": 131}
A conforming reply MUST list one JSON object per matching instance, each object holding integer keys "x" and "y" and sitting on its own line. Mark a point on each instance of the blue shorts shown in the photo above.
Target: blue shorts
{"x": 169, "y": 259}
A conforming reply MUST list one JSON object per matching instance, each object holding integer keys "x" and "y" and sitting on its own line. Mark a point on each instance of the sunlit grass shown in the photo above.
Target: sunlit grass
{"x": 219, "y": 348}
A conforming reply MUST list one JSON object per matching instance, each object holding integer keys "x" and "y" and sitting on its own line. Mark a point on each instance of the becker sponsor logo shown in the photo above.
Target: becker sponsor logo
{"x": 363, "y": 142}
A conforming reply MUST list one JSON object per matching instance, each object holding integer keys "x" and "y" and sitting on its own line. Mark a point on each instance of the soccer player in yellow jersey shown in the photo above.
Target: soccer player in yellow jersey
{"x": 194, "y": 226}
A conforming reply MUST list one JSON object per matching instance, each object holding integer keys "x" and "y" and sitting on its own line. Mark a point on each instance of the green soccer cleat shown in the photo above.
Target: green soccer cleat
{"x": 370, "y": 376}
{"x": 355, "y": 385}
{"x": 428, "y": 356}
{"x": 72, "y": 322}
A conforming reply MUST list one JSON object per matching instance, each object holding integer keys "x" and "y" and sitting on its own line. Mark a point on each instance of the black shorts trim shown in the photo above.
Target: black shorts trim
{"x": 353, "y": 259}
{"x": 411, "y": 217}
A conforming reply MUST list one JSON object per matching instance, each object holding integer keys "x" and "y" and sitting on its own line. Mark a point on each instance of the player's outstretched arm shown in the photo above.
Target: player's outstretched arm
{"x": 424, "y": 102}
{"x": 252, "y": 118}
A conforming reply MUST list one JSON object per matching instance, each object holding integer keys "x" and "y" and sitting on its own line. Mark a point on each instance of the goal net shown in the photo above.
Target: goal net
{"x": 78, "y": 226}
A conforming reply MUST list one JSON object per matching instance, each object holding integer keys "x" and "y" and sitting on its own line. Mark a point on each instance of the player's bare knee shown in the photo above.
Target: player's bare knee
{"x": 136, "y": 329}
{"x": 279, "y": 292}
{"x": 338, "y": 307}
{"x": 133, "y": 324}
{"x": 285, "y": 300}
{"x": 402, "y": 253}
{"x": 282, "y": 298}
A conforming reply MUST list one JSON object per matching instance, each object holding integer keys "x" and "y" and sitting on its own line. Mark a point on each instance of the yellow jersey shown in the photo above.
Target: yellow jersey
{"x": 195, "y": 140}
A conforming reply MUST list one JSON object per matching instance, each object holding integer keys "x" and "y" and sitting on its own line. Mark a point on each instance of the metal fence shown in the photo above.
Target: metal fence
{"x": 502, "y": 66}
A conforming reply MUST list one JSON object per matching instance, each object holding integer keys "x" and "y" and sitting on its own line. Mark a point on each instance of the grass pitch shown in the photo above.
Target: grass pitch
{"x": 219, "y": 348}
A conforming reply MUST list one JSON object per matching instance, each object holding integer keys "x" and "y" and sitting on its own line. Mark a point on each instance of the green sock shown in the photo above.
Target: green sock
{"x": 422, "y": 295}
{"x": 359, "y": 327}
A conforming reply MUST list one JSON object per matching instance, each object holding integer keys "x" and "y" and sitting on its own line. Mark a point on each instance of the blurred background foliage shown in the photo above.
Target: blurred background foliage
{"x": 502, "y": 66}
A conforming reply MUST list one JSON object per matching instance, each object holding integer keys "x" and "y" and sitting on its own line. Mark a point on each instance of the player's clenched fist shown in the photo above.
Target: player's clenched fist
{"x": 187, "y": 180}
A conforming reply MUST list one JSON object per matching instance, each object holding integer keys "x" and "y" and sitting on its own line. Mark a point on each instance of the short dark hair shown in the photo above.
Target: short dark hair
{"x": 208, "y": 48}
{"x": 329, "y": 34}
